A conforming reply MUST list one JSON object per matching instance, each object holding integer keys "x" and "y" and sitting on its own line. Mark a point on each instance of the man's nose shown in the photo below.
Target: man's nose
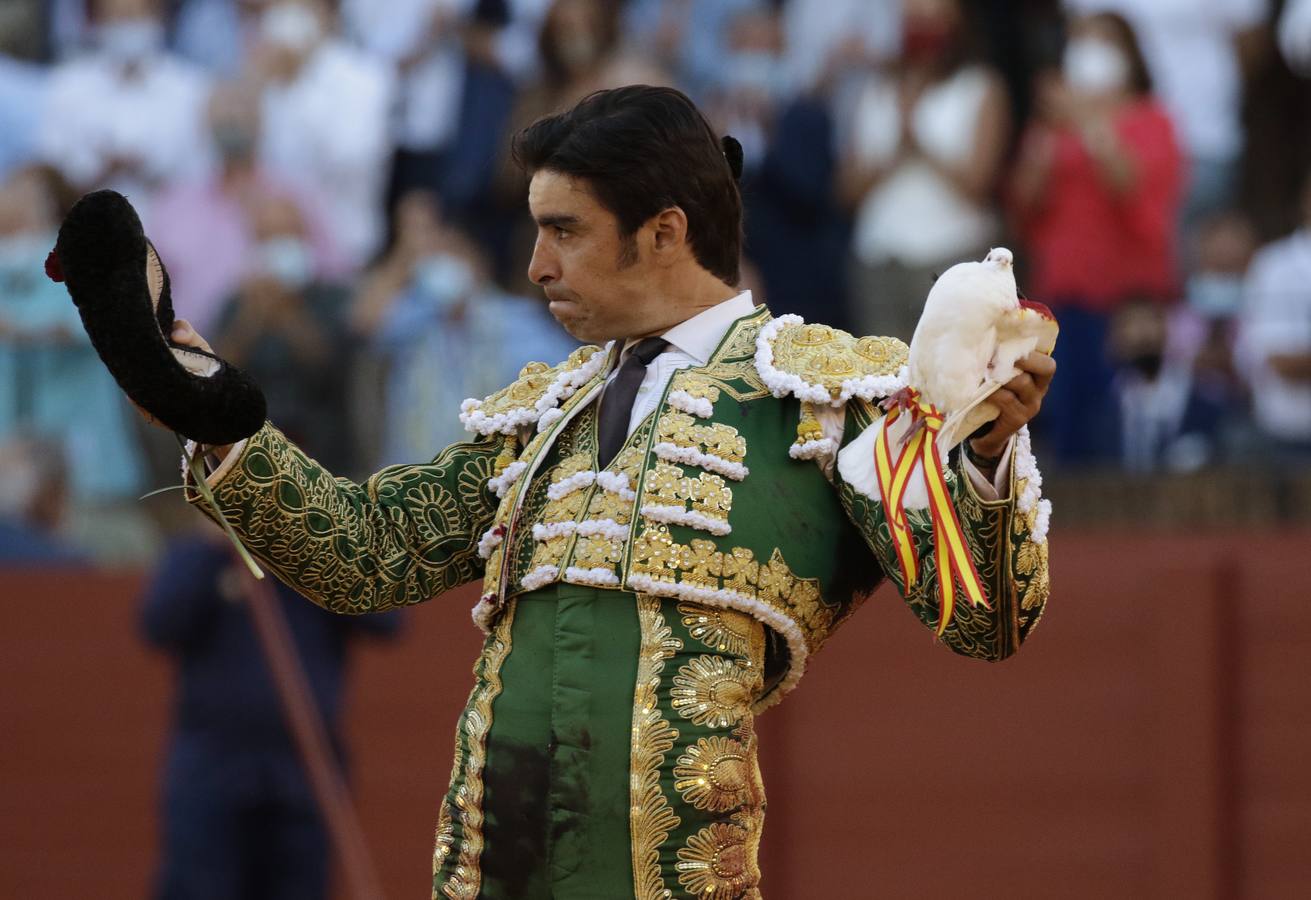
{"x": 543, "y": 268}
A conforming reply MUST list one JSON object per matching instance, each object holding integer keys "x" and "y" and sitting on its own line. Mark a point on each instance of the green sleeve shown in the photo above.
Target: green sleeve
{"x": 407, "y": 534}
{"x": 1011, "y": 565}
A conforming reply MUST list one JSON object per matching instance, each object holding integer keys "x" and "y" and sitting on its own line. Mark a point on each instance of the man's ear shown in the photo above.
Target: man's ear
{"x": 668, "y": 234}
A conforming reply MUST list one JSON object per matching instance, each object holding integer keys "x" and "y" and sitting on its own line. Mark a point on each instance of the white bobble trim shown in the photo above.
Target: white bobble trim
{"x": 677, "y": 515}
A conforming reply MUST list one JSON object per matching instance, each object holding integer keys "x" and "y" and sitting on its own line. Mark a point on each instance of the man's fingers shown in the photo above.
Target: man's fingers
{"x": 1013, "y": 410}
{"x": 1040, "y": 366}
{"x": 186, "y": 336}
{"x": 1022, "y": 385}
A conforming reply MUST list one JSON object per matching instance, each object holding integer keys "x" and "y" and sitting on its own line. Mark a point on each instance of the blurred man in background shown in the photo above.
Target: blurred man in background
{"x": 284, "y": 325}
{"x": 239, "y": 817}
{"x": 324, "y": 119}
{"x": 436, "y": 330}
{"x": 203, "y": 227}
{"x": 1276, "y": 341}
{"x": 129, "y": 115}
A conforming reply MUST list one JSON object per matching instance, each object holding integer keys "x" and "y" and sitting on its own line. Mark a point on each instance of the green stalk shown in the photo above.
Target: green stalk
{"x": 196, "y": 465}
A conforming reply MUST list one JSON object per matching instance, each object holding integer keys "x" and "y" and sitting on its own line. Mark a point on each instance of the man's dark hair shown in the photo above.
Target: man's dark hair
{"x": 642, "y": 150}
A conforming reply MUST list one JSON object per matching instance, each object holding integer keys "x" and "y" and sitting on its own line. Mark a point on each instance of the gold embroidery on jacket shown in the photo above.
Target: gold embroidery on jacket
{"x": 444, "y": 839}
{"x": 717, "y": 863}
{"x": 715, "y": 691}
{"x": 532, "y": 384}
{"x": 715, "y": 774}
{"x": 406, "y": 534}
{"x": 682, "y": 430}
{"x": 1031, "y": 566}
{"x": 708, "y": 494}
{"x": 466, "y": 881}
{"x": 701, "y": 564}
{"x": 725, "y": 630}
{"x": 695, "y": 385}
{"x": 651, "y": 817}
{"x": 597, "y": 552}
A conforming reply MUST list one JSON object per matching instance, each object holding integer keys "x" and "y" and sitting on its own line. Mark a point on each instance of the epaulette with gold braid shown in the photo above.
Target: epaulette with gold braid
{"x": 537, "y": 391}
{"x": 823, "y": 365}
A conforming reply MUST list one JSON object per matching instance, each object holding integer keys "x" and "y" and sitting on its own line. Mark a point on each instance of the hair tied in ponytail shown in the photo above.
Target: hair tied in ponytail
{"x": 733, "y": 153}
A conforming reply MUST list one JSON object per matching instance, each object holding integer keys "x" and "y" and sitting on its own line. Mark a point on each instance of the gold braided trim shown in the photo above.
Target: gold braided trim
{"x": 701, "y": 568}
{"x": 466, "y": 881}
{"x": 651, "y": 817}
{"x": 445, "y": 836}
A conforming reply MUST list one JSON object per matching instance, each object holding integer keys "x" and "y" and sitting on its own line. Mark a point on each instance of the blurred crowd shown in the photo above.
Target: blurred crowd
{"x": 329, "y": 186}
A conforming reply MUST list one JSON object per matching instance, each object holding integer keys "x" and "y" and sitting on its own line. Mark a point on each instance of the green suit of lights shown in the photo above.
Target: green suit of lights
{"x": 638, "y": 616}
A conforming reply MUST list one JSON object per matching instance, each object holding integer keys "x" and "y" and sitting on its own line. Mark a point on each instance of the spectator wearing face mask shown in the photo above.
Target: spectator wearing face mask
{"x": 52, "y": 382}
{"x": 1275, "y": 341}
{"x": 1096, "y": 196}
{"x": 1198, "y": 52}
{"x": 796, "y": 239}
{"x": 1169, "y": 418}
{"x": 284, "y": 326}
{"x": 1205, "y": 328}
{"x": 920, "y": 168}
{"x": 202, "y": 228}
{"x": 436, "y": 331}
{"x": 579, "y": 48}
{"x": 324, "y": 128}
{"x": 128, "y": 115}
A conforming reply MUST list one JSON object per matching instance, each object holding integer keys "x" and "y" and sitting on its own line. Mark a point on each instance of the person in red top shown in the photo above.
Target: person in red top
{"x": 1096, "y": 198}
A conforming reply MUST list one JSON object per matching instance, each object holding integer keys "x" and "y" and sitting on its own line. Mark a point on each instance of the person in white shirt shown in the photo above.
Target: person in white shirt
{"x": 128, "y": 115}
{"x": 921, "y": 163}
{"x": 1275, "y": 339}
{"x": 324, "y": 127}
{"x": 1295, "y": 36}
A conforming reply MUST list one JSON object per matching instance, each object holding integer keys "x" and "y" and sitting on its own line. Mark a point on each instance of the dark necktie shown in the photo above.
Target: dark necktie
{"x": 617, "y": 400}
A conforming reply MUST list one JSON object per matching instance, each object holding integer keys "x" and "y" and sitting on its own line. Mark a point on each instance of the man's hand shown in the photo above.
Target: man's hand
{"x": 186, "y": 336}
{"x": 1019, "y": 401}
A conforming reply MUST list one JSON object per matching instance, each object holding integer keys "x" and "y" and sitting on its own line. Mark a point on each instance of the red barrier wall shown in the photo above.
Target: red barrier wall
{"x": 1151, "y": 741}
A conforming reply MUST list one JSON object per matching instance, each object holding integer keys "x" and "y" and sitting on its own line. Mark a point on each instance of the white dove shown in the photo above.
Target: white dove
{"x": 973, "y": 329}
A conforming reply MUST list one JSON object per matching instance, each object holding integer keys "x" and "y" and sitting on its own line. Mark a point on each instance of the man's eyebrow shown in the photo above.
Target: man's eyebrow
{"x": 557, "y": 220}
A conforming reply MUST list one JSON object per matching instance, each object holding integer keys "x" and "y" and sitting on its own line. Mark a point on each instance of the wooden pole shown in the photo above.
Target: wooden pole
{"x": 311, "y": 737}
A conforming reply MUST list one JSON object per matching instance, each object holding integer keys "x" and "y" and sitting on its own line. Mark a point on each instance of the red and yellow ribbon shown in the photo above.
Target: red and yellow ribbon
{"x": 951, "y": 553}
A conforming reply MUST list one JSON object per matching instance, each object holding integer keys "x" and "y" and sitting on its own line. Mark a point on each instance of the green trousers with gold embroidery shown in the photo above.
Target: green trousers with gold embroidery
{"x": 608, "y": 750}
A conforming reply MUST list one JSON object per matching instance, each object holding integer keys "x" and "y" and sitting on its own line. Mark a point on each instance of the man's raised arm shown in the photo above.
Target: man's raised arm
{"x": 405, "y": 535}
